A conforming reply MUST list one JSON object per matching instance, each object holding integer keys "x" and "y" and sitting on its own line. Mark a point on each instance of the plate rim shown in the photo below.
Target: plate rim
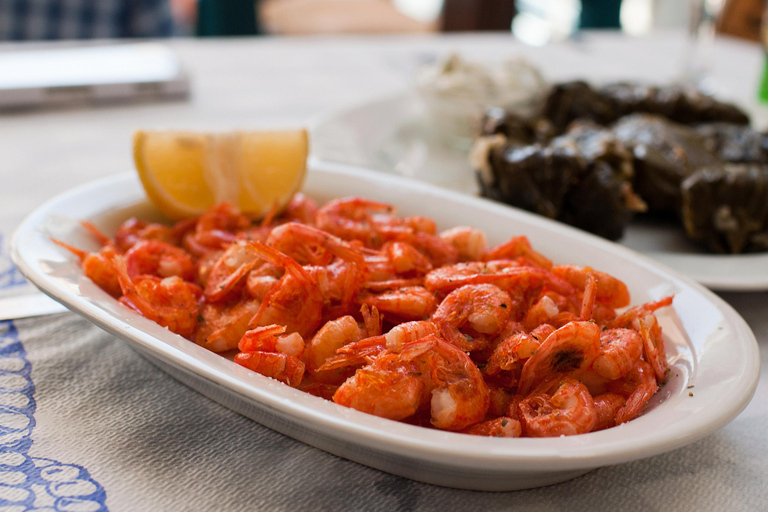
{"x": 725, "y": 283}
{"x": 568, "y": 454}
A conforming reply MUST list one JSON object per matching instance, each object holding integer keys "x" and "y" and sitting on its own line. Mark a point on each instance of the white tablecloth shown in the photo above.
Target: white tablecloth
{"x": 85, "y": 422}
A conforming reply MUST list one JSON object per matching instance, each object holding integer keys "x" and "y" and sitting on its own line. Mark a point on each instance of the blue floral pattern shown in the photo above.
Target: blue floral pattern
{"x": 10, "y": 276}
{"x": 32, "y": 483}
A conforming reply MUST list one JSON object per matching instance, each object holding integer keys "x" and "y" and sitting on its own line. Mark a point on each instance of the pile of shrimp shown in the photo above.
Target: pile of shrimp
{"x": 381, "y": 313}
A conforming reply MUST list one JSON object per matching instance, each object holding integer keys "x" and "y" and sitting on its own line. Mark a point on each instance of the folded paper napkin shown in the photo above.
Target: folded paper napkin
{"x": 87, "y": 424}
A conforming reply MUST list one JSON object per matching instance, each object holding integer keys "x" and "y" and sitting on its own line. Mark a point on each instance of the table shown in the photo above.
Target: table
{"x": 104, "y": 423}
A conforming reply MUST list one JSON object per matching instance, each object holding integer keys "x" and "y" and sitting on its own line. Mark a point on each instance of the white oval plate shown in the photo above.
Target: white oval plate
{"x": 395, "y": 135}
{"x": 709, "y": 344}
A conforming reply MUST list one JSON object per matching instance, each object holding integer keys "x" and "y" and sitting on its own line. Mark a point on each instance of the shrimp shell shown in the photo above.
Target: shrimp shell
{"x": 499, "y": 427}
{"x": 620, "y": 349}
{"x": 485, "y": 307}
{"x": 469, "y": 242}
{"x": 570, "y": 349}
{"x": 638, "y": 386}
{"x": 606, "y": 407}
{"x": 222, "y": 325}
{"x": 387, "y": 388}
{"x": 610, "y": 291}
{"x": 409, "y": 303}
{"x": 282, "y": 367}
{"x": 331, "y": 337}
{"x": 560, "y": 406}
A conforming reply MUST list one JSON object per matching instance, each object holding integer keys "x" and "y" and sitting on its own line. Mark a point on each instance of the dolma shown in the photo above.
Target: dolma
{"x": 569, "y": 101}
{"x": 726, "y": 207}
{"x": 665, "y": 153}
{"x": 582, "y": 178}
{"x": 515, "y": 128}
{"x": 735, "y": 143}
{"x": 533, "y": 177}
{"x": 676, "y": 103}
{"x": 601, "y": 200}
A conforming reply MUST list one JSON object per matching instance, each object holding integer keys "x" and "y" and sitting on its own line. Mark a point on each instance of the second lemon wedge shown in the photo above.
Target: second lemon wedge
{"x": 186, "y": 173}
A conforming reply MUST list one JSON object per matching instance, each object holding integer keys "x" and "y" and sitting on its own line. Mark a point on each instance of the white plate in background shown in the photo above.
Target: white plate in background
{"x": 709, "y": 345}
{"x": 394, "y": 135}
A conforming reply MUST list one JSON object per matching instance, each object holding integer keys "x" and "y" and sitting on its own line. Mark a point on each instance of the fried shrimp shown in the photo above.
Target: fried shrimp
{"x": 570, "y": 349}
{"x": 294, "y": 301}
{"x": 268, "y": 351}
{"x": 171, "y": 302}
{"x": 620, "y": 350}
{"x": 483, "y": 307}
{"x": 350, "y": 302}
{"x": 610, "y": 291}
{"x": 159, "y": 259}
{"x": 408, "y": 303}
{"x": 559, "y": 406}
{"x": 470, "y": 243}
{"x": 98, "y": 266}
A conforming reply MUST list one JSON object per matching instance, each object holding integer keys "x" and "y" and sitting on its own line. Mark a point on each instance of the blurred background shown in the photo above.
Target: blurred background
{"x": 535, "y": 22}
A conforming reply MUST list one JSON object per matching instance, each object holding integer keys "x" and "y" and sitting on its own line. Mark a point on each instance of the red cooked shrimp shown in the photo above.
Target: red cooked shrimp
{"x": 301, "y": 208}
{"x": 459, "y": 395}
{"x": 638, "y": 387}
{"x": 570, "y": 349}
{"x": 331, "y": 337}
{"x": 134, "y": 230}
{"x": 97, "y": 266}
{"x": 484, "y": 307}
{"x": 438, "y": 251}
{"x": 388, "y": 388}
{"x": 401, "y": 334}
{"x": 499, "y": 427}
{"x": 222, "y": 325}
{"x": 542, "y": 311}
{"x": 470, "y": 243}
{"x": 409, "y": 303}
{"x": 518, "y": 247}
{"x": 229, "y": 274}
{"x": 653, "y": 345}
{"x": 215, "y": 229}
{"x": 560, "y": 406}
{"x": 620, "y": 349}
{"x": 395, "y": 385}
{"x": 171, "y": 302}
{"x": 270, "y": 352}
{"x": 351, "y": 219}
{"x": 610, "y": 291}
{"x": 626, "y": 318}
{"x": 294, "y": 301}
{"x": 159, "y": 259}
{"x": 405, "y": 258}
{"x": 282, "y": 367}
{"x": 311, "y": 246}
{"x": 511, "y": 278}
{"x": 606, "y": 407}
{"x": 510, "y": 351}
{"x": 356, "y": 354}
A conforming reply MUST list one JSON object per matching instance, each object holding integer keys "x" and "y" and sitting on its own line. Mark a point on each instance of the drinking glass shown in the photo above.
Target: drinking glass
{"x": 697, "y": 58}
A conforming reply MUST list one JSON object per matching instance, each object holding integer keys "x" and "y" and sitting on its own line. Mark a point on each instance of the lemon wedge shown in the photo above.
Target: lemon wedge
{"x": 186, "y": 173}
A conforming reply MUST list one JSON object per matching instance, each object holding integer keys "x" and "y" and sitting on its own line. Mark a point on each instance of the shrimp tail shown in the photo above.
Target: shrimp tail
{"x": 96, "y": 232}
{"x": 81, "y": 254}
